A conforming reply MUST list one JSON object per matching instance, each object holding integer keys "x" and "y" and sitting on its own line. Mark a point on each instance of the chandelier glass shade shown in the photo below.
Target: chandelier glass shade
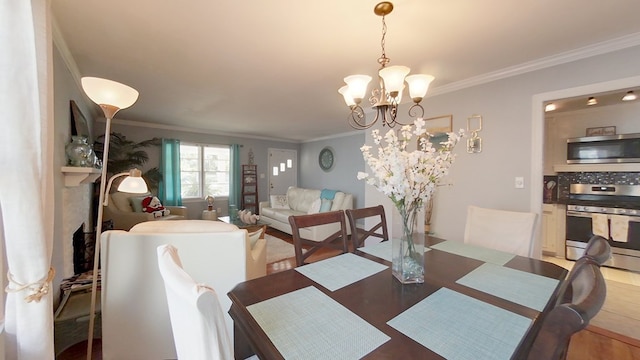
{"x": 386, "y": 98}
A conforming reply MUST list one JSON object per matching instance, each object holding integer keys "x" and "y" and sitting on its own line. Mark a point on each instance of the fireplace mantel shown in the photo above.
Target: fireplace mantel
{"x": 74, "y": 175}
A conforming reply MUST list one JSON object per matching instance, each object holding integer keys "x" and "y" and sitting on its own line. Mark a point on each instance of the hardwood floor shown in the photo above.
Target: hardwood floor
{"x": 592, "y": 343}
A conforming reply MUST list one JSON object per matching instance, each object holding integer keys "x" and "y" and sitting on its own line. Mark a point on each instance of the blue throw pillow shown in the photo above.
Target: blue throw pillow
{"x": 328, "y": 194}
{"x": 325, "y": 205}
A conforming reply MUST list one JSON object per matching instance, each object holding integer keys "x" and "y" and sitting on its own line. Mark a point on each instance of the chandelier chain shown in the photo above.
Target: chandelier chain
{"x": 383, "y": 60}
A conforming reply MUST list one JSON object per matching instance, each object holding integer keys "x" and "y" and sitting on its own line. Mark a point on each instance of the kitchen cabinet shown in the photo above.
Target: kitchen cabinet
{"x": 553, "y": 229}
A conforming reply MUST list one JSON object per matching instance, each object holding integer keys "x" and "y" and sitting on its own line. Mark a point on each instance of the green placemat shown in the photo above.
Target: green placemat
{"x": 307, "y": 324}
{"x": 517, "y": 286}
{"x": 474, "y": 252}
{"x": 339, "y": 271}
{"x": 459, "y": 327}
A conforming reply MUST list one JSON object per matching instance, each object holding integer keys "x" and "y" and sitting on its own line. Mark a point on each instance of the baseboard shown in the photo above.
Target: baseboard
{"x": 608, "y": 333}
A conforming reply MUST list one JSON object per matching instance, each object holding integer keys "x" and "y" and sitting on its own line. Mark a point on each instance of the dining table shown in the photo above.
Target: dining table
{"x": 474, "y": 303}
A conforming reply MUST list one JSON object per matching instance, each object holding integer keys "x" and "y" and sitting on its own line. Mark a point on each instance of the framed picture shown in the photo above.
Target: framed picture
{"x": 603, "y": 130}
{"x": 79, "y": 125}
{"x": 438, "y": 127}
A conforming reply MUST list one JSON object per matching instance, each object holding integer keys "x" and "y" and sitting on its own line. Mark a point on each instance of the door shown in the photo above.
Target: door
{"x": 283, "y": 170}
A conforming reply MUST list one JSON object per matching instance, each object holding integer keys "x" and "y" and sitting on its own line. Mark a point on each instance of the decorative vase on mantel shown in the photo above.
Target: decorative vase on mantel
{"x": 407, "y": 260}
{"x": 79, "y": 152}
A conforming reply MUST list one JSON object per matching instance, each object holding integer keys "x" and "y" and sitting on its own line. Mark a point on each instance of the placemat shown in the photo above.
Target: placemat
{"x": 339, "y": 271}
{"x": 474, "y": 252}
{"x": 307, "y": 324}
{"x": 457, "y": 326}
{"x": 382, "y": 250}
{"x": 517, "y": 286}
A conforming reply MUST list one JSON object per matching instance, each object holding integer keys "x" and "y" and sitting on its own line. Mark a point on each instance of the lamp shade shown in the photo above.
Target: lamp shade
{"x": 347, "y": 95}
{"x": 357, "y": 86}
{"x": 418, "y": 85}
{"x": 109, "y": 92}
{"x": 134, "y": 183}
{"x": 393, "y": 77}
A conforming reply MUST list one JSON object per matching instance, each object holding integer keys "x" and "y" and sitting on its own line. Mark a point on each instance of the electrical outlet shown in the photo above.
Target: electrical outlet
{"x": 519, "y": 182}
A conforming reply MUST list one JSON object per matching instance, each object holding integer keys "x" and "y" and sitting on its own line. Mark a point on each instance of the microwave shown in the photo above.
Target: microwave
{"x": 624, "y": 148}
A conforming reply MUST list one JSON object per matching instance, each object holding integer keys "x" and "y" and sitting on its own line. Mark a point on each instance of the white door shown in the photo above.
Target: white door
{"x": 283, "y": 170}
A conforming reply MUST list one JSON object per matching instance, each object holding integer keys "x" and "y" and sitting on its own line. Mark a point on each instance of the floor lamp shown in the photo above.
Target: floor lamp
{"x": 111, "y": 96}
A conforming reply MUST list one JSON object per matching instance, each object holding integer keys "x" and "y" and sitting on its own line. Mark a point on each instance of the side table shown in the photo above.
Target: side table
{"x": 209, "y": 215}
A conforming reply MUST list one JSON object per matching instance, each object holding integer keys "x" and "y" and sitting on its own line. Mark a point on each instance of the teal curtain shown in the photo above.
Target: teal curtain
{"x": 169, "y": 191}
{"x": 234, "y": 176}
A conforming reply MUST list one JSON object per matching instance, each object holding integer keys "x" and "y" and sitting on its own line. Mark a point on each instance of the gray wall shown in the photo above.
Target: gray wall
{"x": 348, "y": 161}
{"x": 487, "y": 179}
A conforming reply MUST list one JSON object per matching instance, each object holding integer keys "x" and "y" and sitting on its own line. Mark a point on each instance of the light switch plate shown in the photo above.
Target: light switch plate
{"x": 519, "y": 182}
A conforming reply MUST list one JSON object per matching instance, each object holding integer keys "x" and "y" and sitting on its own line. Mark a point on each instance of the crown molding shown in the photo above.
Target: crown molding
{"x": 600, "y": 48}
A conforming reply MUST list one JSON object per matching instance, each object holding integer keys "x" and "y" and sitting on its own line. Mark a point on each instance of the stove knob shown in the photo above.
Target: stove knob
{"x": 622, "y": 211}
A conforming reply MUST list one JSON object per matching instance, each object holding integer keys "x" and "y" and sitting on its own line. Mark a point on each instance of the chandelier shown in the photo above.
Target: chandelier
{"x": 386, "y": 98}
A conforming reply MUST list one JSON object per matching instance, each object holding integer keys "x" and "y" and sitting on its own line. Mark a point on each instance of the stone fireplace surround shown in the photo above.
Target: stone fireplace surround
{"x": 76, "y": 212}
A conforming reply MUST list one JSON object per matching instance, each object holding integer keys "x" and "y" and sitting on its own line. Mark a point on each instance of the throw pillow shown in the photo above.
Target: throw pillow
{"x": 314, "y": 208}
{"x": 136, "y": 203}
{"x": 325, "y": 205}
{"x": 279, "y": 201}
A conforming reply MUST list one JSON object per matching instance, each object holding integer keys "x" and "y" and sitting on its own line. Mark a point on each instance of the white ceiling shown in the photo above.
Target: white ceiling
{"x": 272, "y": 68}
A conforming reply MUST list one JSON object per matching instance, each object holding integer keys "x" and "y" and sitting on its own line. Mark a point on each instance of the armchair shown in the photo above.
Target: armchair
{"x": 124, "y": 216}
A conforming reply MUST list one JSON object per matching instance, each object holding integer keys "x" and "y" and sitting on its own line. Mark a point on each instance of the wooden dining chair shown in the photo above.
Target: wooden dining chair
{"x": 588, "y": 294}
{"x": 598, "y": 249}
{"x": 336, "y": 240}
{"x": 360, "y": 234}
{"x": 508, "y": 231}
{"x": 199, "y": 328}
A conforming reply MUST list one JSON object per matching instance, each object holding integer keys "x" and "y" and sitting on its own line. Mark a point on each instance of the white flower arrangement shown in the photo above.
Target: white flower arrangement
{"x": 408, "y": 178}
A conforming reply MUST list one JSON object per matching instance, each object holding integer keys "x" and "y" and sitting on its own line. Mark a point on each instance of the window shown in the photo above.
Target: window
{"x": 204, "y": 170}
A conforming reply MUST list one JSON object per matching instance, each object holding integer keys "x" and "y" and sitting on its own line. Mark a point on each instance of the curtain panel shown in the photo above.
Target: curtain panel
{"x": 170, "y": 191}
{"x": 26, "y": 157}
{"x": 234, "y": 176}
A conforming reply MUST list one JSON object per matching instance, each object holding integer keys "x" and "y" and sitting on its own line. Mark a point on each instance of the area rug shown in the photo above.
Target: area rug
{"x": 278, "y": 249}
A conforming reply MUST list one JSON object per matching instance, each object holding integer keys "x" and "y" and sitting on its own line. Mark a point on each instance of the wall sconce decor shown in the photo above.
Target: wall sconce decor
{"x": 474, "y": 143}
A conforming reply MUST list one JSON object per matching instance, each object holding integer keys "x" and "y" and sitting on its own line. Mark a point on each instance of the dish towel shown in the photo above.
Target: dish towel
{"x": 599, "y": 225}
{"x": 328, "y": 194}
{"x": 619, "y": 228}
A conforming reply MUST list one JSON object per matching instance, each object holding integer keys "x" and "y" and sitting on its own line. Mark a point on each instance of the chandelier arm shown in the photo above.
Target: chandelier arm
{"x": 358, "y": 119}
{"x": 413, "y": 111}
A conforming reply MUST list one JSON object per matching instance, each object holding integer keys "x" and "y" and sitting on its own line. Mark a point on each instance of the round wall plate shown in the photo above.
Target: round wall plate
{"x": 326, "y": 158}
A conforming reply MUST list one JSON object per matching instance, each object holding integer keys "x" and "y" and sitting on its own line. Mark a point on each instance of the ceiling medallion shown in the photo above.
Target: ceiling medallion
{"x": 386, "y": 98}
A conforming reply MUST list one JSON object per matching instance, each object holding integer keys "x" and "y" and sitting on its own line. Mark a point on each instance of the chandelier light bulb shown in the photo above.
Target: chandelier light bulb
{"x": 347, "y": 95}
{"x": 418, "y": 86}
{"x": 357, "y": 86}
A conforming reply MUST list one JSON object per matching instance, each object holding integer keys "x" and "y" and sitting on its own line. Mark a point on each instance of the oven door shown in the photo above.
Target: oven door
{"x": 625, "y": 255}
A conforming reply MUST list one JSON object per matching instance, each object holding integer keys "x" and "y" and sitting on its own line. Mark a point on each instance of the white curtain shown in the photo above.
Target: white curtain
{"x": 26, "y": 176}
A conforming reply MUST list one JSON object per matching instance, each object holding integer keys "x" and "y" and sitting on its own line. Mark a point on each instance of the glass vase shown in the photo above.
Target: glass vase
{"x": 79, "y": 152}
{"x": 408, "y": 250}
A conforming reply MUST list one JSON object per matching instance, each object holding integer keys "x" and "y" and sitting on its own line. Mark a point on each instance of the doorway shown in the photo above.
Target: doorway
{"x": 283, "y": 170}
{"x": 537, "y": 134}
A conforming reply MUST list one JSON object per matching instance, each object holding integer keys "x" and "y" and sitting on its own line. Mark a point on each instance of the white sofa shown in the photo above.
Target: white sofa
{"x": 298, "y": 202}
{"x": 135, "y": 315}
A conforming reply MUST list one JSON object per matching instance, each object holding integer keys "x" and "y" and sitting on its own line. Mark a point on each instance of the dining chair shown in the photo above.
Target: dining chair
{"x": 588, "y": 294}
{"x": 598, "y": 249}
{"x": 197, "y": 321}
{"x": 508, "y": 231}
{"x": 360, "y": 234}
{"x": 335, "y": 241}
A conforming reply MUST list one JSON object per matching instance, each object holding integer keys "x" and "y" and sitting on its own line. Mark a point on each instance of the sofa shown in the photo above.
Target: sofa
{"x": 300, "y": 201}
{"x": 120, "y": 209}
{"x": 135, "y": 314}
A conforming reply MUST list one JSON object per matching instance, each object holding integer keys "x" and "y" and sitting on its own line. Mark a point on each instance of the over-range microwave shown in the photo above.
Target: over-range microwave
{"x": 624, "y": 148}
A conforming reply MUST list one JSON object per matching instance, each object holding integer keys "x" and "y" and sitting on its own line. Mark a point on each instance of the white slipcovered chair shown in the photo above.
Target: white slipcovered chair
{"x": 197, "y": 320}
{"x": 508, "y": 231}
{"x": 135, "y": 316}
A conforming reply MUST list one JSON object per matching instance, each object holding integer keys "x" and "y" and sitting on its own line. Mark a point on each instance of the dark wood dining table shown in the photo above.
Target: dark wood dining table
{"x": 380, "y": 297}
